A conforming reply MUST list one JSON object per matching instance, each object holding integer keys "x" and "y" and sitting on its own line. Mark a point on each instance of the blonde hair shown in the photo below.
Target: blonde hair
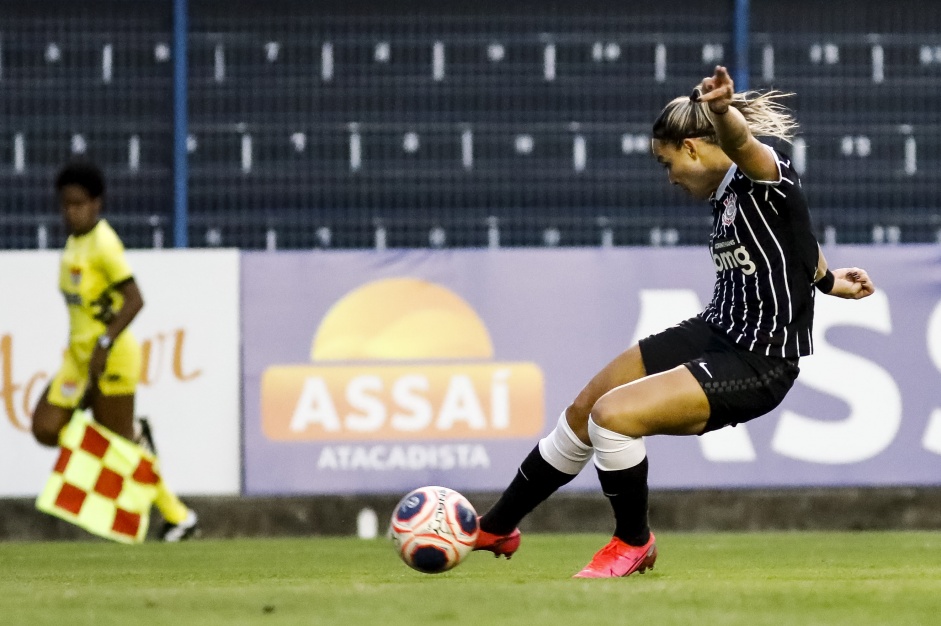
{"x": 683, "y": 118}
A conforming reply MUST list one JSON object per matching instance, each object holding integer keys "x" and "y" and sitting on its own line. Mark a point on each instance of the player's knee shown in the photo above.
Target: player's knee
{"x": 577, "y": 417}
{"x": 604, "y": 413}
{"x": 45, "y": 431}
{"x": 610, "y": 415}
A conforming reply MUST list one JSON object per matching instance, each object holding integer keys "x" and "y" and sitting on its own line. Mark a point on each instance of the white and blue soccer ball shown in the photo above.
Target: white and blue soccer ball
{"x": 434, "y": 528}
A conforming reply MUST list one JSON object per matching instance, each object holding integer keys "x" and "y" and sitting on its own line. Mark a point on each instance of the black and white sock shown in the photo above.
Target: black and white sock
{"x": 535, "y": 481}
{"x": 626, "y": 490}
{"x": 555, "y": 461}
{"x": 622, "y": 469}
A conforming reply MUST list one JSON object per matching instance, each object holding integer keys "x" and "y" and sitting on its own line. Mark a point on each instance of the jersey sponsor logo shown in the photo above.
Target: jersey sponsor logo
{"x": 72, "y": 299}
{"x": 731, "y": 208}
{"x": 736, "y": 258}
{"x": 75, "y": 276}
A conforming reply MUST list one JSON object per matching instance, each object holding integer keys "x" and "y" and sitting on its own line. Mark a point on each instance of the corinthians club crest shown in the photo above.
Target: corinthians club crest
{"x": 731, "y": 208}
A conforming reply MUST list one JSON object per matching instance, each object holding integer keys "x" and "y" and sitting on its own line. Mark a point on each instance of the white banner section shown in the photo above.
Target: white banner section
{"x": 189, "y": 331}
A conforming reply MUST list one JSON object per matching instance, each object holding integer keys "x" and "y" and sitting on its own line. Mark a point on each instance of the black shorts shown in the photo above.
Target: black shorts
{"x": 739, "y": 384}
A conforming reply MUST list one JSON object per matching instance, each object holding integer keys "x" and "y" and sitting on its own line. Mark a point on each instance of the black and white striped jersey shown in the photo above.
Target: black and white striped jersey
{"x": 765, "y": 255}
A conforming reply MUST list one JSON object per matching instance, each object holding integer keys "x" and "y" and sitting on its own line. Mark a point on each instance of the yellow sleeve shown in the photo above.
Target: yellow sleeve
{"x": 112, "y": 262}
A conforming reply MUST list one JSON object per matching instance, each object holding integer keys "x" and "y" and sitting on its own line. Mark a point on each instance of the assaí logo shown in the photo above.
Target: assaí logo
{"x": 395, "y": 360}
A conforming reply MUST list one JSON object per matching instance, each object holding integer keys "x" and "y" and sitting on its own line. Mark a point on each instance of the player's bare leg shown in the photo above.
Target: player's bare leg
{"x": 49, "y": 420}
{"x": 625, "y": 368}
{"x": 116, "y": 413}
{"x": 669, "y": 403}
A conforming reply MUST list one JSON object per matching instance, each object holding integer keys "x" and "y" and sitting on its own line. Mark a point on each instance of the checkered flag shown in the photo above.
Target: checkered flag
{"x": 101, "y": 482}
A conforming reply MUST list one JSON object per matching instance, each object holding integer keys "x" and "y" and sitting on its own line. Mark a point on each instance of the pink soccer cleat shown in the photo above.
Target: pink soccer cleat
{"x": 620, "y": 559}
{"x": 504, "y": 545}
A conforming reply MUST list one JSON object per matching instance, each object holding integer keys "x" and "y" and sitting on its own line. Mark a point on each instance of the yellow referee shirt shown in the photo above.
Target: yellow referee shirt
{"x": 93, "y": 266}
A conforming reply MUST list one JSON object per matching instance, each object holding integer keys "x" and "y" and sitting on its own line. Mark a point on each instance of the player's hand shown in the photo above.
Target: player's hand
{"x": 717, "y": 91}
{"x": 851, "y": 283}
{"x": 96, "y": 366}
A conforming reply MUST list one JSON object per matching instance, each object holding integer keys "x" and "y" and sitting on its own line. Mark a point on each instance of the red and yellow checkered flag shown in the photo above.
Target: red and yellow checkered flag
{"x": 101, "y": 482}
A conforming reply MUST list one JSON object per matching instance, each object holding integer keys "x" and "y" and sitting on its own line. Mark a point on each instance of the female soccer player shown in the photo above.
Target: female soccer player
{"x": 103, "y": 362}
{"x": 732, "y": 363}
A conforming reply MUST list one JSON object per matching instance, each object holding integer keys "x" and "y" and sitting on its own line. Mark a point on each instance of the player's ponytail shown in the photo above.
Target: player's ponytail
{"x": 765, "y": 115}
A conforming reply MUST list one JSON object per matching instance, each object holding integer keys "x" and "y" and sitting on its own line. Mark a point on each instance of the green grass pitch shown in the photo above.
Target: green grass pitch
{"x": 727, "y": 579}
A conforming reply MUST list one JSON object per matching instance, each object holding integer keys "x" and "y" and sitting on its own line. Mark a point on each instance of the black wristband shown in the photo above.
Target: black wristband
{"x": 825, "y": 284}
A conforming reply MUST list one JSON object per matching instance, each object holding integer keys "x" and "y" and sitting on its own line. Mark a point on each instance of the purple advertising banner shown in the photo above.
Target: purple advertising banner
{"x": 382, "y": 371}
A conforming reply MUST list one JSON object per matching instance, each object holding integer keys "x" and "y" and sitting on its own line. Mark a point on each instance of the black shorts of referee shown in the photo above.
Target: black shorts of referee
{"x": 740, "y": 385}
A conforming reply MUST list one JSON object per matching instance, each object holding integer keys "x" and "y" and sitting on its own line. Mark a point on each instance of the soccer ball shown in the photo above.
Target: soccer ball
{"x": 434, "y": 528}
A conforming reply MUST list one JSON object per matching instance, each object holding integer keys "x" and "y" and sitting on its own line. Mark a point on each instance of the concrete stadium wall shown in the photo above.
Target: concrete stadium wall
{"x": 847, "y": 509}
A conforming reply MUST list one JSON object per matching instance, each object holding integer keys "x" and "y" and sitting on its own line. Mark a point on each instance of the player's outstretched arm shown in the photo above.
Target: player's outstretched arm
{"x": 732, "y": 132}
{"x": 851, "y": 283}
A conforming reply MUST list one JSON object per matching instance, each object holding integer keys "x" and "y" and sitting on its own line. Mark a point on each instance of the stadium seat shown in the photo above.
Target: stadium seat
{"x": 301, "y": 122}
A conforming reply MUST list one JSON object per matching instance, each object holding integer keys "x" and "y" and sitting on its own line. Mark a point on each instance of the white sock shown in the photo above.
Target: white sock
{"x": 563, "y": 450}
{"x": 614, "y": 451}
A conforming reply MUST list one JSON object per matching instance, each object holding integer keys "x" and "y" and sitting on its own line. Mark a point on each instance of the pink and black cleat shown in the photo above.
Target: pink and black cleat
{"x": 620, "y": 559}
{"x": 505, "y": 545}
